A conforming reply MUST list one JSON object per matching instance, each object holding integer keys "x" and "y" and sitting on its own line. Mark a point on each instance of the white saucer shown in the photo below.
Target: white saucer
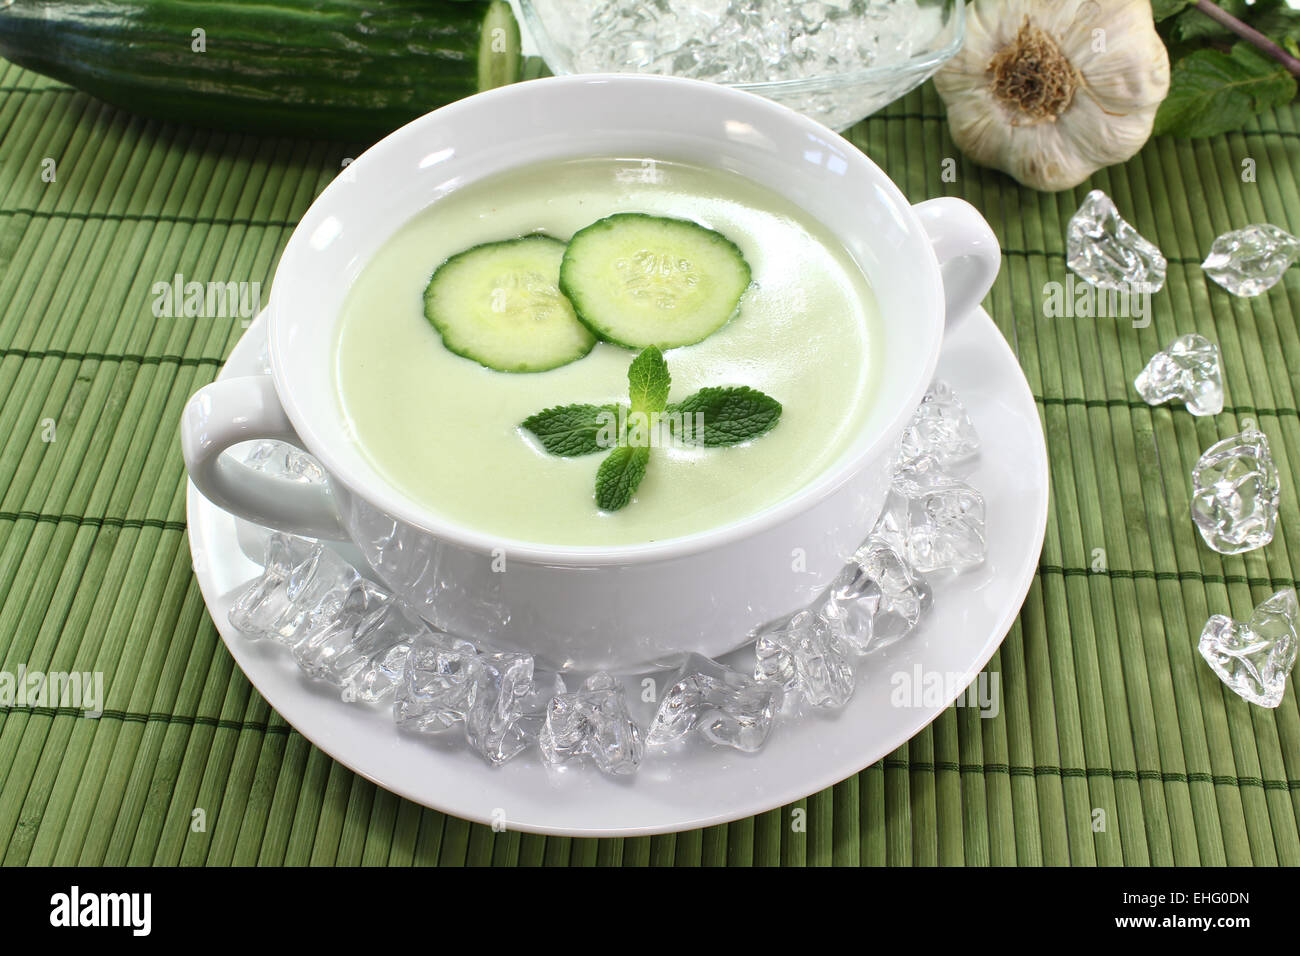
{"x": 698, "y": 785}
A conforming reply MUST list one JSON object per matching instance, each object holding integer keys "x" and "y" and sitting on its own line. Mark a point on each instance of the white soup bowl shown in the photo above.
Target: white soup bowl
{"x": 588, "y": 607}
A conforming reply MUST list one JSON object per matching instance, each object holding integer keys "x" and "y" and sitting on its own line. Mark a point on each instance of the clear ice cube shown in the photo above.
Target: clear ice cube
{"x": 804, "y": 654}
{"x": 1106, "y": 251}
{"x": 877, "y": 598}
{"x": 940, "y": 428}
{"x": 592, "y": 723}
{"x": 727, "y": 707}
{"x": 363, "y": 647}
{"x": 1254, "y": 658}
{"x": 381, "y": 674}
{"x": 283, "y": 460}
{"x": 1235, "y": 492}
{"x": 302, "y": 581}
{"x": 499, "y": 702}
{"x": 438, "y": 683}
{"x": 1252, "y": 260}
{"x": 932, "y": 519}
{"x": 1188, "y": 371}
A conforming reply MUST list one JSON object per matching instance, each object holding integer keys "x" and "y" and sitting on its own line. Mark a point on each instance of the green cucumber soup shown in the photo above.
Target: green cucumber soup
{"x": 445, "y": 430}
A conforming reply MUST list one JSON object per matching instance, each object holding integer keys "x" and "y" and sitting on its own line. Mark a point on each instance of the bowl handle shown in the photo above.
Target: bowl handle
{"x": 968, "y": 252}
{"x": 235, "y": 410}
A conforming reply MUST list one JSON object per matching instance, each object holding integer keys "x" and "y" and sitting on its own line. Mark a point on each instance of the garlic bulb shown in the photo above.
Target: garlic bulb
{"x": 1052, "y": 90}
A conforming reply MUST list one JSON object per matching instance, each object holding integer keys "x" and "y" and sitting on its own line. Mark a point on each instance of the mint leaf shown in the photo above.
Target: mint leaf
{"x": 1163, "y": 9}
{"x": 716, "y": 417}
{"x": 572, "y": 430}
{"x": 648, "y": 381}
{"x": 619, "y": 475}
{"x": 1212, "y": 92}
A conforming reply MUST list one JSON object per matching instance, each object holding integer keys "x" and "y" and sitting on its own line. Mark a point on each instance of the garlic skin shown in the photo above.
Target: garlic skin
{"x": 1050, "y": 91}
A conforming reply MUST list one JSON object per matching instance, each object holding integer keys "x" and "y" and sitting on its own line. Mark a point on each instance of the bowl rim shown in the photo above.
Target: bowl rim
{"x": 396, "y": 505}
{"x": 929, "y": 59}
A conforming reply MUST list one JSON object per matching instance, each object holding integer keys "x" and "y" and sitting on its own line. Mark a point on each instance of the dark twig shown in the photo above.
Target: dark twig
{"x": 1249, "y": 34}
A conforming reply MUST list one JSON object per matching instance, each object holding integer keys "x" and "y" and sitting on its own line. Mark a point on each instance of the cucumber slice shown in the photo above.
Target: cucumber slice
{"x": 500, "y": 57}
{"x": 638, "y": 280}
{"x": 499, "y": 305}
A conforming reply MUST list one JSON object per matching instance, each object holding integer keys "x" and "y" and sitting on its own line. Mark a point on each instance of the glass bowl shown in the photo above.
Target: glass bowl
{"x": 914, "y": 38}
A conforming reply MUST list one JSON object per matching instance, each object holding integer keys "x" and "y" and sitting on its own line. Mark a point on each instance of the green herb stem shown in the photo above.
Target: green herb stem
{"x": 1249, "y": 34}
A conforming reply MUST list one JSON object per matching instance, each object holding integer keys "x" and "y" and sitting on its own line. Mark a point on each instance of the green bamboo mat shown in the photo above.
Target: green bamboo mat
{"x": 1115, "y": 743}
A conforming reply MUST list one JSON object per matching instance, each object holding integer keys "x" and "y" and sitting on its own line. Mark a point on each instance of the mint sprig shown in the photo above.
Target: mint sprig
{"x": 713, "y": 417}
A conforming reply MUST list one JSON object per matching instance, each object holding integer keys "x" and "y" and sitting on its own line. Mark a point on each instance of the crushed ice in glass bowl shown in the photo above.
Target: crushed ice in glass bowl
{"x": 836, "y": 61}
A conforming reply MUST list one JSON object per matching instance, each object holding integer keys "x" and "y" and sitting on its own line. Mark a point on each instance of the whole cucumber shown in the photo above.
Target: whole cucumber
{"x": 328, "y": 69}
